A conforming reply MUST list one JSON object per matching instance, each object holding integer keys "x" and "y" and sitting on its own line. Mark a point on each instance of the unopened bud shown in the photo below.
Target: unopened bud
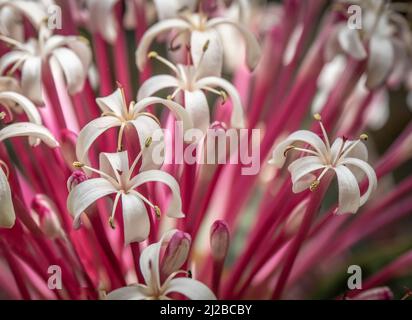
{"x": 176, "y": 253}
{"x": 219, "y": 240}
{"x": 75, "y": 178}
{"x": 48, "y": 219}
{"x": 379, "y": 293}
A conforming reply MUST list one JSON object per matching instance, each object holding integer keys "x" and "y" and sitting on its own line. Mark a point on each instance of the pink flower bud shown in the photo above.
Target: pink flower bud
{"x": 176, "y": 253}
{"x": 48, "y": 219}
{"x": 75, "y": 178}
{"x": 380, "y": 293}
{"x": 219, "y": 240}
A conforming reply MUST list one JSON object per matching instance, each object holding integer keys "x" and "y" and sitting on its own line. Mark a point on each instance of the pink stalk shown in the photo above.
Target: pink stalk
{"x": 103, "y": 65}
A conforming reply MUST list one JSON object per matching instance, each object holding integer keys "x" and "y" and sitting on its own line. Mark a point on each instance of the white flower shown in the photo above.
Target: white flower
{"x": 116, "y": 177}
{"x": 192, "y": 82}
{"x": 346, "y": 158}
{"x": 156, "y": 289}
{"x": 200, "y": 30}
{"x": 35, "y": 132}
{"x": 12, "y": 13}
{"x": 69, "y": 53}
{"x": 116, "y": 113}
{"x": 375, "y": 40}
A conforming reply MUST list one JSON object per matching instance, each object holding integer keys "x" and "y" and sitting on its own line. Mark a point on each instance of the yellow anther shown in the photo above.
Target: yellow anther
{"x": 152, "y": 54}
{"x": 148, "y": 142}
{"x": 223, "y": 94}
{"x": 364, "y": 136}
{"x": 78, "y": 164}
{"x": 314, "y": 185}
{"x": 157, "y": 212}
{"x": 206, "y": 45}
{"x": 83, "y": 39}
{"x": 2, "y": 115}
{"x": 169, "y": 97}
{"x": 111, "y": 222}
{"x": 317, "y": 117}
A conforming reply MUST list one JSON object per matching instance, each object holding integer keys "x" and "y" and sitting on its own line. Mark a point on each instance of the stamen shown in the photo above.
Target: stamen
{"x": 318, "y": 118}
{"x": 111, "y": 219}
{"x": 147, "y": 144}
{"x": 220, "y": 93}
{"x": 2, "y": 115}
{"x": 364, "y": 137}
{"x": 158, "y": 212}
{"x": 314, "y": 185}
{"x": 292, "y": 147}
{"x": 12, "y": 42}
{"x": 120, "y": 137}
{"x": 78, "y": 164}
{"x": 155, "y": 55}
{"x": 173, "y": 95}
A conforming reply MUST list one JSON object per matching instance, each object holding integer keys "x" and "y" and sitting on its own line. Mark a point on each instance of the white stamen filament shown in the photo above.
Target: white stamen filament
{"x": 115, "y": 203}
{"x": 155, "y": 55}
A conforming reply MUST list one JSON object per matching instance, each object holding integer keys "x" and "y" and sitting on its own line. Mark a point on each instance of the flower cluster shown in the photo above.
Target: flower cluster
{"x": 99, "y": 200}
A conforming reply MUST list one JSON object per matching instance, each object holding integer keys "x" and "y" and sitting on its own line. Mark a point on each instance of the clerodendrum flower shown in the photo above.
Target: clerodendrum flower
{"x": 36, "y": 133}
{"x": 116, "y": 177}
{"x": 70, "y": 54}
{"x": 116, "y": 113}
{"x": 156, "y": 289}
{"x": 347, "y": 158}
{"x": 200, "y": 30}
{"x": 191, "y": 80}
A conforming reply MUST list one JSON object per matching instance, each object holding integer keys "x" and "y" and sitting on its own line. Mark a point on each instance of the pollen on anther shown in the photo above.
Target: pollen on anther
{"x": 148, "y": 142}
{"x": 152, "y": 54}
{"x": 364, "y": 136}
{"x": 78, "y": 164}
{"x": 111, "y": 222}
{"x": 314, "y": 185}
{"x": 317, "y": 117}
{"x": 2, "y": 115}
{"x": 158, "y": 212}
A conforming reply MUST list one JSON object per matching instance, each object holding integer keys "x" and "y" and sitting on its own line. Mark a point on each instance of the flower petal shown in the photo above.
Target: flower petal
{"x": 278, "y": 156}
{"x": 209, "y": 62}
{"x": 73, "y": 69}
{"x": 380, "y": 62}
{"x": 175, "y": 205}
{"x": 90, "y": 133}
{"x": 110, "y": 163}
{"x": 23, "y": 129}
{"x": 179, "y": 112}
{"x": 154, "y": 84}
{"x": 300, "y": 170}
{"x": 103, "y": 19}
{"x": 135, "y": 219}
{"x": 146, "y": 128}
{"x": 253, "y": 51}
{"x": 31, "y": 10}
{"x": 351, "y": 43}
{"x": 86, "y": 193}
{"x": 132, "y": 292}
{"x": 167, "y": 9}
{"x": 31, "y": 79}
{"x": 191, "y": 288}
{"x": 237, "y": 118}
{"x": 152, "y": 33}
{"x": 349, "y": 194}
{"x": 113, "y": 102}
{"x": 370, "y": 173}
{"x": 7, "y": 215}
{"x": 11, "y": 58}
{"x": 198, "y": 109}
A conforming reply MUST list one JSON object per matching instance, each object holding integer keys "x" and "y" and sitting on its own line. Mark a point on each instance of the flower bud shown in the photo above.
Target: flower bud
{"x": 48, "y": 219}
{"x": 219, "y": 240}
{"x": 176, "y": 253}
{"x": 379, "y": 293}
{"x": 75, "y": 178}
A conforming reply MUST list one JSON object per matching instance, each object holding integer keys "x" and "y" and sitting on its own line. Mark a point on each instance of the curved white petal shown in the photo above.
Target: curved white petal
{"x": 175, "y": 205}
{"x": 253, "y": 50}
{"x": 370, "y": 173}
{"x": 351, "y": 43}
{"x": 110, "y": 163}
{"x": 86, "y": 193}
{"x": 31, "y": 79}
{"x": 135, "y": 219}
{"x": 237, "y": 118}
{"x": 179, "y": 112}
{"x": 26, "y": 105}
{"x": 278, "y": 156}
{"x": 301, "y": 169}
{"x": 152, "y": 33}
{"x": 7, "y": 215}
{"x": 31, "y": 10}
{"x": 191, "y": 288}
{"x": 113, "y": 102}
{"x": 103, "y": 19}
{"x": 380, "y": 62}
{"x": 82, "y": 49}
{"x": 132, "y": 292}
{"x": 90, "y": 133}
{"x": 9, "y": 59}
{"x": 349, "y": 194}
{"x": 167, "y": 9}
{"x": 73, "y": 69}
{"x": 146, "y": 128}
{"x": 154, "y": 84}
{"x": 28, "y": 129}
{"x": 198, "y": 109}
{"x": 209, "y": 62}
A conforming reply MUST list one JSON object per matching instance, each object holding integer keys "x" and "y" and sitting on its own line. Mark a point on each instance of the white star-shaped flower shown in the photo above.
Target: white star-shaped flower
{"x": 347, "y": 158}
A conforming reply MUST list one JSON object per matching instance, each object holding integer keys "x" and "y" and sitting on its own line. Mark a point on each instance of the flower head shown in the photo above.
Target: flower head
{"x": 193, "y": 83}
{"x": 156, "y": 289}
{"x": 347, "y": 158}
{"x": 116, "y": 177}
